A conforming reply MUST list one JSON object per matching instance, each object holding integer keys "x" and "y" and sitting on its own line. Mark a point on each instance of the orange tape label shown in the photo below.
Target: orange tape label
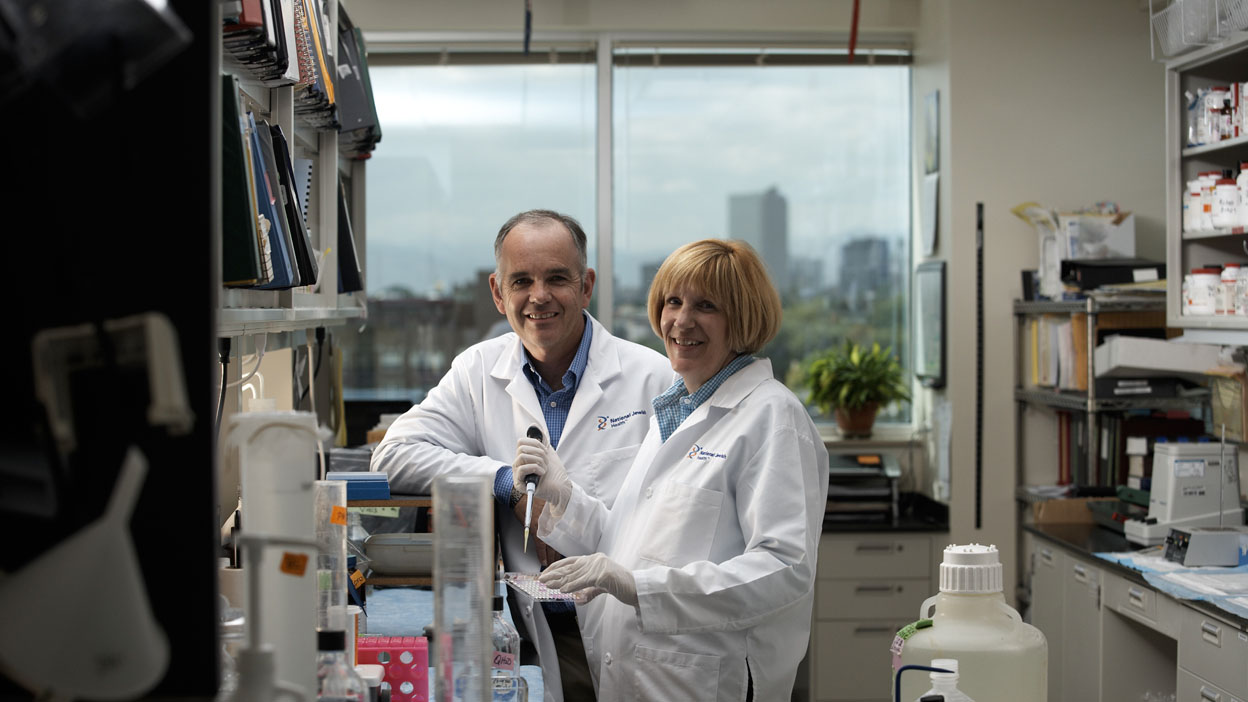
{"x": 294, "y": 563}
{"x": 338, "y": 515}
{"x": 357, "y": 578}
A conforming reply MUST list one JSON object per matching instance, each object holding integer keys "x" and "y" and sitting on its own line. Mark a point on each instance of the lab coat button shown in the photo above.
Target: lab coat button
{"x": 607, "y": 658}
{"x": 649, "y": 492}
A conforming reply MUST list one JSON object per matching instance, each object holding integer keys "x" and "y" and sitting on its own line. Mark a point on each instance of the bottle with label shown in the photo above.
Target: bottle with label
{"x": 1201, "y": 291}
{"x": 506, "y": 666}
{"x": 1225, "y": 303}
{"x": 1225, "y": 204}
{"x": 1241, "y": 184}
{"x": 336, "y": 679}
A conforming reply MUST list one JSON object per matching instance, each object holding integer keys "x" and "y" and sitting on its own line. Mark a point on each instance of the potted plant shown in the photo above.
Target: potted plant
{"x": 851, "y": 382}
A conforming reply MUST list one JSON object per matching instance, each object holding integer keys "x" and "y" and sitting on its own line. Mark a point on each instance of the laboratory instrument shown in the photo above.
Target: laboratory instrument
{"x": 330, "y": 503}
{"x": 1194, "y": 484}
{"x": 1197, "y": 546}
{"x": 258, "y": 677}
{"x": 463, "y": 549}
{"x": 49, "y": 650}
{"x": 275, "y": 455}
{"x": 999, "y": 655}
{"x": 336, "y": 679}
{"x": 530, "y": 484}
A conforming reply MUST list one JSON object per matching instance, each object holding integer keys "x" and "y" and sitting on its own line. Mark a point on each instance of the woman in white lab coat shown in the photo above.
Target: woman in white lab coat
{"x": 708, "y": 553}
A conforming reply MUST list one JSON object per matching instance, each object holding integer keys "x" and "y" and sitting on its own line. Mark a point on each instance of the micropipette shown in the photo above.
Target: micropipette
{"x": 530, "y": 484}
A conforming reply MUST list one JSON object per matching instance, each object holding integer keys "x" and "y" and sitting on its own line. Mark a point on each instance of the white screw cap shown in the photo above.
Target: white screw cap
{"x": 970, "y": 569}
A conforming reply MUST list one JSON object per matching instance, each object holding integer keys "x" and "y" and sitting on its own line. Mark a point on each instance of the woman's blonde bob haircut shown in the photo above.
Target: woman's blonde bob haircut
{"x": 731, "y": 274}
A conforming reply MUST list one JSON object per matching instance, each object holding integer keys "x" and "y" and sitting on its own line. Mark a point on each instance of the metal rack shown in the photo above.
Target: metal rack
{"x": 1081, "y": 401}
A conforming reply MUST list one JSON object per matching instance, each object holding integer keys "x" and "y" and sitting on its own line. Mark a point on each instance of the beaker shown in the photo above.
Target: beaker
{"x": 462, "y": 575}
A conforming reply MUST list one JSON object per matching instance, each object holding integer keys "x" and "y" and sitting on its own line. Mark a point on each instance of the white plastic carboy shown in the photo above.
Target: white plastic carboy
{"x": 999, "y": 655}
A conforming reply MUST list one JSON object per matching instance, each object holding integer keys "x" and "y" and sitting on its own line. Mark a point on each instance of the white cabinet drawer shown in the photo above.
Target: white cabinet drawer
{"x": 1141, "y": 603}
{"x": 868, "y": 599}
{"x": 1215, "y": 651}
{"x": 853, "y": 659}
{"x": 875, "y": 556}
{"x": 1193, "y": 689}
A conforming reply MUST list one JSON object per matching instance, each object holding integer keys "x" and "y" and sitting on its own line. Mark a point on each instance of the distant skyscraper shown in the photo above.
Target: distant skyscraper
{"x": 865, "y": 269}
{"x": 762, "y": 220}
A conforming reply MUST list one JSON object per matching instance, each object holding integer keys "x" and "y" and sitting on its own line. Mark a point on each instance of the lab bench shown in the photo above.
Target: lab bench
{"x": 1112, "y": 636}
{"x": 872, "y": 578}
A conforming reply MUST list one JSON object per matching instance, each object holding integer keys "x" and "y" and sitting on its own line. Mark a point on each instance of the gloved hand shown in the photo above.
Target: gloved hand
{"x": 591, "y": 572}
{"x": 536, "y": 457}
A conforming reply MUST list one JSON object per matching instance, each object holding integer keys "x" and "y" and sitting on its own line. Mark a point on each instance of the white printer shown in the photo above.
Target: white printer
{"x": 1194, "y": 484}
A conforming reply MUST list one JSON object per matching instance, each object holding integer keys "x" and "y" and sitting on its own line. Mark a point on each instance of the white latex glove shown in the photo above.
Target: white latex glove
{"x": 595, "y": 573}
{"x": 536, "y": 457}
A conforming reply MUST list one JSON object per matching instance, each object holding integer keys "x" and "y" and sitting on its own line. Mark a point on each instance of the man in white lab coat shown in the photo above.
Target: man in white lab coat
{"x": 561, "y": 370}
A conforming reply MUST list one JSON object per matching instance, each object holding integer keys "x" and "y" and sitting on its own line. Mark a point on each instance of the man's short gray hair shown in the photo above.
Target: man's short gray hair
{"x": 539, "y": 217}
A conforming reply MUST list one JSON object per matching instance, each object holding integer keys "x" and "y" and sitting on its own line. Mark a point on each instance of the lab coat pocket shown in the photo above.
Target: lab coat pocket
{"x": 605, "y": 472}
{"x": 675, "y": 675}
{"x": 684, "y": 520}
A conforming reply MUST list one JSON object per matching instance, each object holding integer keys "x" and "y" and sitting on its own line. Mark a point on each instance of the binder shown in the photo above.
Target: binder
{"x": 1092, "y": 273}
{"x": 277, "y": 198}
{"x": 283, "y": 273}
{"x": 254, "y": 42}
{"x": 349, "y": 278}
{"x": 305, "y": 255}
{"x": 240, "y": 254}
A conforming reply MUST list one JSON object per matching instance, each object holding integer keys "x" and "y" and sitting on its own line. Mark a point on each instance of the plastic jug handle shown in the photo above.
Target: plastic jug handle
{"x": 1010, "y": 612}
{"x": 923, "y": 609}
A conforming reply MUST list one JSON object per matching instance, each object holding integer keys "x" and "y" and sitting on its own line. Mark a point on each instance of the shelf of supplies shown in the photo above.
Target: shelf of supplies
{"x": 1213, "y": 234}
{"x": 1079, "y": 401}
{"x": 1224, "y": 145}
{"x": 1224, "y": 49}
{"x": 243, "y": 321}
{"x": 1113, "y": 304}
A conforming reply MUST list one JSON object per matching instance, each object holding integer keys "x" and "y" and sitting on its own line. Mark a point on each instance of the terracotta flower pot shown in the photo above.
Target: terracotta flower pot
{"x": 857, "y": 423}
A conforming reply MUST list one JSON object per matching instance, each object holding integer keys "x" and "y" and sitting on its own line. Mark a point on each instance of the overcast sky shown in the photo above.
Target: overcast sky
{"x": 464, "y": 148}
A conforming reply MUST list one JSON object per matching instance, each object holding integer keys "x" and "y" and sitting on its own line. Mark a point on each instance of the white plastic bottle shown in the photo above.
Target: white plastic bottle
{"x": 1000, "y": 657}
{"x": 946, "y": 684}
{"x": 1225, "y": 204}
{"x": 1241, "y": 184}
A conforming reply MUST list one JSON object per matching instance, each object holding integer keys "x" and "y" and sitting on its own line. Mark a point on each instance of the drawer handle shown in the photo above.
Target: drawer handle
{"x": 875, "y": 548}
{"x": 1136, "y": 597}
{"x": 1046, "y": 555}
{"x": 1207, "y": 694}
{"x": 1081, "y": 573}
{"x": 874, "y": 589}
{"x": 874, "y": 630}
{"x": 1211, "y": 632}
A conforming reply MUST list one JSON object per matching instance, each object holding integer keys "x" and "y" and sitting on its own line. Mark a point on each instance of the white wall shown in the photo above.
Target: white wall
{"x": 1056, "y": 102}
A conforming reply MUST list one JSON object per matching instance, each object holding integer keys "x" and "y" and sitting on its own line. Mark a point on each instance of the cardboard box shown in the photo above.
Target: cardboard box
{"x": 1097, "y": 235}
{"x": 1138, "y": 357}
{"x": 1072, "y": 510}
{"x": 1228, "y": 394}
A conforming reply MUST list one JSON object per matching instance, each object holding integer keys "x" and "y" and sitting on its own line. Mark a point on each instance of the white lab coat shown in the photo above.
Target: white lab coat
{"x": 469, "y": 424}
{"x": 720, "y": 527}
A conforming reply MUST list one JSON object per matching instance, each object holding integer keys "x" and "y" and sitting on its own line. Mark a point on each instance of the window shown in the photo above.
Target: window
{"x": 809, "y": 161}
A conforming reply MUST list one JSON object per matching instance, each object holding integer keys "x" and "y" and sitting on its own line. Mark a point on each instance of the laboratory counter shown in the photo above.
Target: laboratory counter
{"x": 1115, "y": 633}
{"x": 1087, "y": 540}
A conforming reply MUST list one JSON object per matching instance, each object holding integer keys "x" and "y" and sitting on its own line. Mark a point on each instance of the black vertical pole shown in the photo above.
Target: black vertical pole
{"x": 979, "y": 364}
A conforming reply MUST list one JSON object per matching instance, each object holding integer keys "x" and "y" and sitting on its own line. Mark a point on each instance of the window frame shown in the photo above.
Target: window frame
{"x": 612, "y": 49}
